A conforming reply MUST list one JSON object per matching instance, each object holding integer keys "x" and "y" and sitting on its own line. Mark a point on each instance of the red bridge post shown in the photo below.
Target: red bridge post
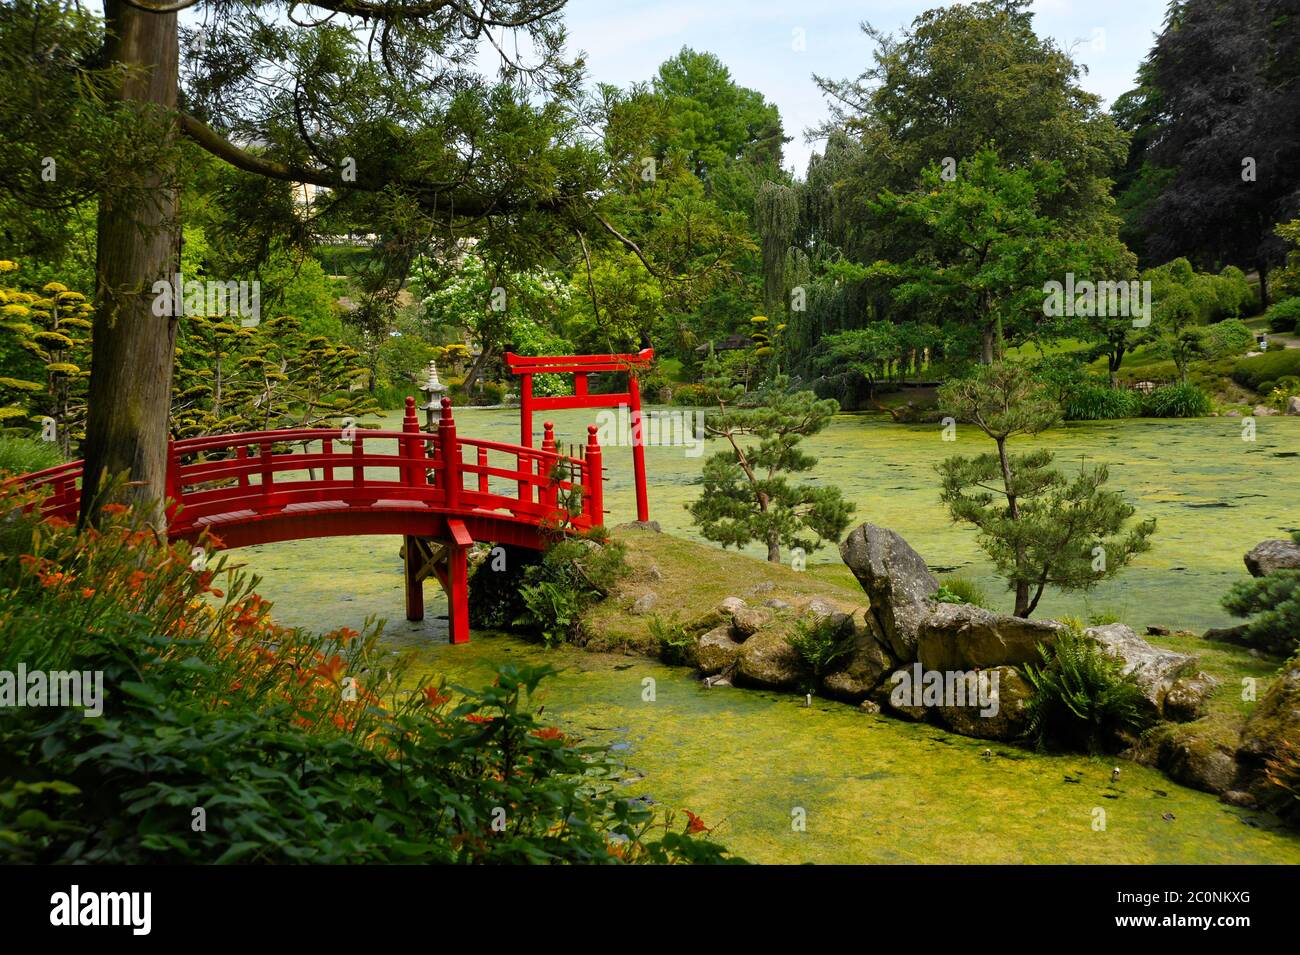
{"x": 449, "y": 449}
{"x": 547, "y": 494}
{"x": 412, "y": 447}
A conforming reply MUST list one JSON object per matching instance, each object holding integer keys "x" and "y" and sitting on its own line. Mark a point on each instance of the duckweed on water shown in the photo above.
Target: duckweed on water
{"x": 875, "y": 789}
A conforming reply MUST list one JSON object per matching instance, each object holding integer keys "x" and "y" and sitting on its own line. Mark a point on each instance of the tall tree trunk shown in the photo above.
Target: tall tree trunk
{"x": 986, "y": 344}
{"x": 1263, "y": 283}
{"x": 138, "y": 244}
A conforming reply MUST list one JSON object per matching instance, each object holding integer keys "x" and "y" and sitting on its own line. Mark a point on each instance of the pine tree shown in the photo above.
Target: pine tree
{"x": 747, "y": 496}
{"x": 1039, "y": 527}
{"x": 50, "y": 358}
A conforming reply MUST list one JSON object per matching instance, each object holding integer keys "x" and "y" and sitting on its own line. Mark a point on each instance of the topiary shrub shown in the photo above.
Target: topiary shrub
{"x": 1176, "y": 401}
{"x": 690, "y": 396}
{"x": 1081, "y": 698}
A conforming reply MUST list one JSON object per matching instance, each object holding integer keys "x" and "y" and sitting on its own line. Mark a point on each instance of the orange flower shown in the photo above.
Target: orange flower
{"x": 87, "y": 592}
{"x": 548, "y": 732}
{"x": 332, "y": 669}
{"x": 58, "y": 523}
{"x": 479, "y": 718}
{"x": 695, "y": 823}
{"x": 137, "y": 579}
{"x": 114, "y": 509}
{"x": 433, "y": 697}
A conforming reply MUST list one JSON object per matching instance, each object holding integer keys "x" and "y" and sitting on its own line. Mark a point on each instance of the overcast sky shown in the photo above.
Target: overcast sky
{"x": 626, "y": 40}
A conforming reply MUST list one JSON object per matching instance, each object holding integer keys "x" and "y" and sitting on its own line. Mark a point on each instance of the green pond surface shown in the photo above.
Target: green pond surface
{"x": 873, "y": 789}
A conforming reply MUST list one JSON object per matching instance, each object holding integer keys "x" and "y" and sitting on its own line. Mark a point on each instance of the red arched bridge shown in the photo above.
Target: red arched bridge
{"x": 439, "y": 491}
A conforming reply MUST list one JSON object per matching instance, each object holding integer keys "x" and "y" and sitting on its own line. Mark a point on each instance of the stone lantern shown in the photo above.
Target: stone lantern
{"x": 435, "y": 389}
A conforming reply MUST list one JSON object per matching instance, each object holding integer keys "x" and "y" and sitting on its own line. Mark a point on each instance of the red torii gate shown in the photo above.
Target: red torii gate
{"x": 580, "y": 366}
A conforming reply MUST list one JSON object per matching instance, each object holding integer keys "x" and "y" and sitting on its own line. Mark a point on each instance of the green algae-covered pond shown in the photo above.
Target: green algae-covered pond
{"x": 874, "y": 789}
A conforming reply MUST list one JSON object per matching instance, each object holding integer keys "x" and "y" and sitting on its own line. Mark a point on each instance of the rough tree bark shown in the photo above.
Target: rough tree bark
{"x": 138, "y": 244}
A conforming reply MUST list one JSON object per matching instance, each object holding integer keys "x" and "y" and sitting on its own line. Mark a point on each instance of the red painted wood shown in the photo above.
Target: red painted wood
{"x": 580, "y": 366}
{"x": 385, "y": 492}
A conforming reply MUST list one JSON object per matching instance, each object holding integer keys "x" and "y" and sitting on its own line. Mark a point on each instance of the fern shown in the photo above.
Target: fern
{"x": 1082, "y": 699}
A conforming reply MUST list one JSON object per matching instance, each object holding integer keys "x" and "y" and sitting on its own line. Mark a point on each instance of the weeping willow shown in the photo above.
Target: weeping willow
{"x": 776, "y": 211}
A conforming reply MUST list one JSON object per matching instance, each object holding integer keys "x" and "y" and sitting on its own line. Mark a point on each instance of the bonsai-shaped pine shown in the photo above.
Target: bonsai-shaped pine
{"x": 746, "y": 494}
{"x": 1038, "y": 527}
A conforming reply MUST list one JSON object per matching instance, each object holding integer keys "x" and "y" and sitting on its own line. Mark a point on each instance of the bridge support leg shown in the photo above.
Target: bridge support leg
{"x": 415, "y": 561}
{"x": 458, "y": 594}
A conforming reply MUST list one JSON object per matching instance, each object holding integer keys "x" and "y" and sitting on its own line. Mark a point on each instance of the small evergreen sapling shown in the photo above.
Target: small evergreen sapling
{"x": 1039, "y": 527}
{"x": 747, "y": 496}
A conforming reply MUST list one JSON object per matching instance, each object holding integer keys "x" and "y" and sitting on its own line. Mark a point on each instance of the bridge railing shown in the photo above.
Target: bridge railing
{"x": 311, "y": 468}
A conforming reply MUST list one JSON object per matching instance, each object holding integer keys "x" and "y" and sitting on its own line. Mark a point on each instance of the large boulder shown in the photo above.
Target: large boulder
{"x": 1189, "y": 698}
{"x": 1006, "y": 716}
{"x": 1156, "y": 670}
{"x": 1268, "y": 556}
{"x": 865, "y": 667}
{"x": 1197, "y": 761}
{"x": 715, "y": 651}
{"x": 747, "y": 621}
{"x": 896, "y": 581}
{"x": 767, "y": 660}
{"x": 966, "y": 637}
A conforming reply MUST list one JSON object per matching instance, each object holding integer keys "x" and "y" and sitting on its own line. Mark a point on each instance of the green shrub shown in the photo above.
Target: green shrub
{"x": 820, "y": 647}
{"x": 1270, "y": 366}
{"x": 1282, "y": 316}
{"x": 693, "y": 396}
{"x": 1176, "y": 401}
{"x": 25, "y": 455}
{"x": 209, "y": 705}
{"x": 572, "y": 574}
{"x": 551, "y": 608}
{"x": 1081, "y": 699}
{"x": 1273, "y": 603}
{"x": 1231, "y": 337}
{"x": 1103, "y": 618}
{"x": 673, "y": 640}
{"x": 1093, "y": 400}
{"x": 958, "y": 590}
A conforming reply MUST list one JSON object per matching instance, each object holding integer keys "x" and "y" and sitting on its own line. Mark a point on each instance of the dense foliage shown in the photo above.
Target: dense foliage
{"x": 227, "y": 738}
